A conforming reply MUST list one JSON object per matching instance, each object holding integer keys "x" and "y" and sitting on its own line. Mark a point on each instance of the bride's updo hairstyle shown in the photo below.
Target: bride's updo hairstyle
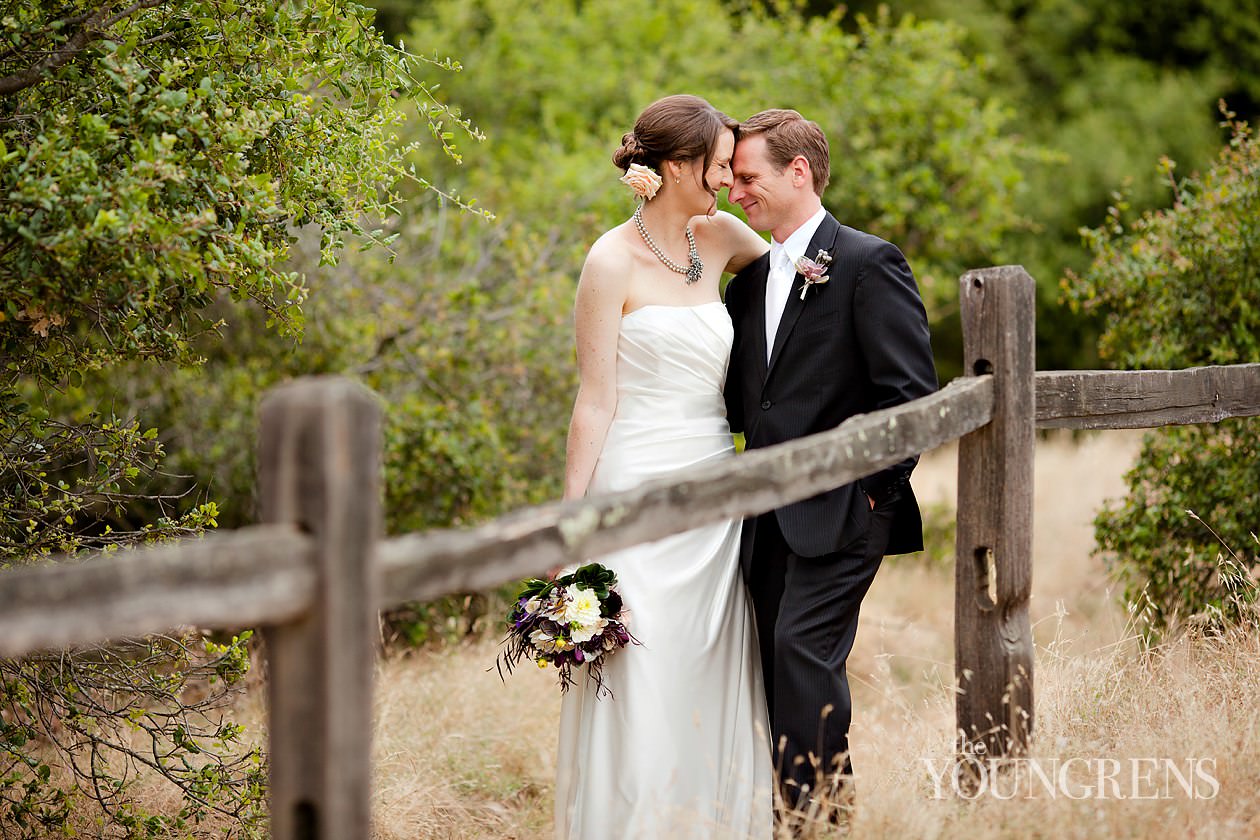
{"x": 679, "y": 127}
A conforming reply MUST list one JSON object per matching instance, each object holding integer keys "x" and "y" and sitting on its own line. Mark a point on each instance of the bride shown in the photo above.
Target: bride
{"x": 681, "y": 748}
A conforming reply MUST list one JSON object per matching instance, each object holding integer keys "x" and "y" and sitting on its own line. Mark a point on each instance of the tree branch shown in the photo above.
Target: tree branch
{"x": 94, "y": 26}
{"x": 59, "y": 57}
{"x": 135, "y": 7}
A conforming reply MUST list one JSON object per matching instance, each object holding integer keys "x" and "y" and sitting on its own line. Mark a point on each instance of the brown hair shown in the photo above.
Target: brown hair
{"x": 788, "y": 134}
{"x": 679, "y": 127}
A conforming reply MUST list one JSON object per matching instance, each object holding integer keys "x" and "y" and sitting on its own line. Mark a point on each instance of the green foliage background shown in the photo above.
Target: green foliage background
{"x": 1181, "y": 287}
{"x": 1106, "y": 88}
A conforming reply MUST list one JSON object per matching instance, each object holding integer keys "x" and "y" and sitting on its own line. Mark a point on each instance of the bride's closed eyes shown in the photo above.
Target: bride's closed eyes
{"x": 719, "y": 174}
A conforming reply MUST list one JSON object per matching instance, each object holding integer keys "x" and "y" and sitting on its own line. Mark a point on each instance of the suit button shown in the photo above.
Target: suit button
{"x": 765, "y": 405}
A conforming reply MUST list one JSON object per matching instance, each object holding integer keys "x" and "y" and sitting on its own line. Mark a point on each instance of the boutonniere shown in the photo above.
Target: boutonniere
{"x": 814, "y": 271}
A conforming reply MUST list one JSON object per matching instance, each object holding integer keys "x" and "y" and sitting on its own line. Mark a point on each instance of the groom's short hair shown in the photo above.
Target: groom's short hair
{"x": 788, "y": 134}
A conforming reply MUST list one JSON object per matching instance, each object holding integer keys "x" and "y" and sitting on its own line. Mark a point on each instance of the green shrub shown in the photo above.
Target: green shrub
{"x": 156, "y": 161}
{"x": 1179, "y": 288}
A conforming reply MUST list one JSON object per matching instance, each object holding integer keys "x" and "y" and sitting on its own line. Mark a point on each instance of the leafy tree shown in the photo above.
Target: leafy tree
{"x": 473, "y": 369}
{"x": 1178, "y": 288}
{"x": 1107, "y": 88}
{"x": 157, "y": 156}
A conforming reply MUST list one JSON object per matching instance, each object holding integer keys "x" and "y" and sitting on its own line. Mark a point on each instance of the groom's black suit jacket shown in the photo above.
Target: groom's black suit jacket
{"x": 857, "y": 343}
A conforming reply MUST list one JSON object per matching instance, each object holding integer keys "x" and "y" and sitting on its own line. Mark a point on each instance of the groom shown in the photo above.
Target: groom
{"x": 807, "y": 356}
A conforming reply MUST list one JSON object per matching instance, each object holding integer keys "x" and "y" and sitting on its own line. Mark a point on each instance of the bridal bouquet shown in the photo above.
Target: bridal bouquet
{"x": 574, "y": 620}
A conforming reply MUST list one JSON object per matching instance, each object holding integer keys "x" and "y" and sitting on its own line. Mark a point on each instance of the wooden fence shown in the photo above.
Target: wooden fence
{"x": 314, "y": 575}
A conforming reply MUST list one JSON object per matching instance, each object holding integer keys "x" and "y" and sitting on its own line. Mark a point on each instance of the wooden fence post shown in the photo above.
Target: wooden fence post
{"x": 319, "y": 467}
{"x": 993, "y": 647}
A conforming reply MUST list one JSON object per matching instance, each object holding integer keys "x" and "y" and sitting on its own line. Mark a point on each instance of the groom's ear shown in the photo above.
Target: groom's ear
{"x": 801, "y": 174}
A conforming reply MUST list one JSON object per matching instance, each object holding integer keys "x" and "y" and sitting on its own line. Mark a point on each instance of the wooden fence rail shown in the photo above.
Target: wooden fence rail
{"x": 1144, "y": 399}
{"x": 314, "y": 577}
{"x": 425, "y": 566}
{"x": 225, "y": 579}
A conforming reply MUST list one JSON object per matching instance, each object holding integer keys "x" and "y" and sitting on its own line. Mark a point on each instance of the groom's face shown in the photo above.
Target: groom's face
{"x": 764, "y": 191}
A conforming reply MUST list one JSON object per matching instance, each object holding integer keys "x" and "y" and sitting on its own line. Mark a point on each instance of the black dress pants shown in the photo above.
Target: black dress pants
{"x": 807, "y": 618}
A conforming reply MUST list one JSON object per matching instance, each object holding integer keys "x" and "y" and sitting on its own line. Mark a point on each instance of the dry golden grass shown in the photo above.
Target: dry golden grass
{"x": 1195, "y": 699}
{"x": 460, "y": 756}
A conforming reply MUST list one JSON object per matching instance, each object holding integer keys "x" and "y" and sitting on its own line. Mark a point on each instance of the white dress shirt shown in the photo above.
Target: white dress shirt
{"x": 783, "y": 259}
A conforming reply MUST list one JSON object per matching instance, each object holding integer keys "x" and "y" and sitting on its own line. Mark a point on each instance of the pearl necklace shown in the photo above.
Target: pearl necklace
{"x": 693, "y": 269}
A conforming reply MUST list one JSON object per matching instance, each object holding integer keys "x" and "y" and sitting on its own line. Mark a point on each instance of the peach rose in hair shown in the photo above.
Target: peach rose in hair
{"x": 644, "y": 181}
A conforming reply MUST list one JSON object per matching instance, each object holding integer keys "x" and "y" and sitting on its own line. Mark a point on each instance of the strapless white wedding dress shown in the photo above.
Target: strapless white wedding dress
{"x": 681, "y": 749}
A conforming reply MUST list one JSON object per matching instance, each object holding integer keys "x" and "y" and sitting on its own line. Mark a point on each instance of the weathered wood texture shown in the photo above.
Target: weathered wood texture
{"x": 425, "y": 566}
{"x": 233, "y": 579}
{"x": 993, "y": 644}
{"x": 1141, "y": 399}
{"x": 319, "y": 469}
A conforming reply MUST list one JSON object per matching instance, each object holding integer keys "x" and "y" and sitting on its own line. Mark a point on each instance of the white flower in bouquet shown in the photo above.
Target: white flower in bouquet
{"x": 585, "y": 632}
{"x": 582, "y": 608}
{"x": 544, "y": 641}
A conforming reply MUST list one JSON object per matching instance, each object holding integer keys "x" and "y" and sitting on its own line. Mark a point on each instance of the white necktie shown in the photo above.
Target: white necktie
{"x": 778, "y": 287}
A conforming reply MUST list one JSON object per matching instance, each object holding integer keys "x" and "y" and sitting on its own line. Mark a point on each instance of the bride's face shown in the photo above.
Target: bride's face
{"x": 704, "y": 186}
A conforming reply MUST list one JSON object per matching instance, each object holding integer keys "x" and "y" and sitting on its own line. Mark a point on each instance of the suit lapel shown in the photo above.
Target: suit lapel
{"x": 824, "y": 238}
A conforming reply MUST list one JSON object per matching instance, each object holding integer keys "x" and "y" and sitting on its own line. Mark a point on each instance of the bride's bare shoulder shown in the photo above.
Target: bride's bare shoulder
{"x": 741, "y": 243}
{"x": 720, "y": 220}
{"x": 612, "y": 249}
{"x": 607, "y": 262}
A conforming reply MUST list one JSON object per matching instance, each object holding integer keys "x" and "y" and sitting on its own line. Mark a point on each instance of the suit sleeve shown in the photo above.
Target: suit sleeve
{"x": 734, "y": 370}
{"x": 892, "y": 331}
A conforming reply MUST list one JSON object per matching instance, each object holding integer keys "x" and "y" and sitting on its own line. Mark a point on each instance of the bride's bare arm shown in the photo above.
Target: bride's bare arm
{"x": 601, "y": 295}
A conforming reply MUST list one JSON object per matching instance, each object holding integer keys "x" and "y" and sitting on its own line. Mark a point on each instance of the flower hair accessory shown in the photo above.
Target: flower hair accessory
{"x": 814, "y": 271}
{"x": 642, "y": 180}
